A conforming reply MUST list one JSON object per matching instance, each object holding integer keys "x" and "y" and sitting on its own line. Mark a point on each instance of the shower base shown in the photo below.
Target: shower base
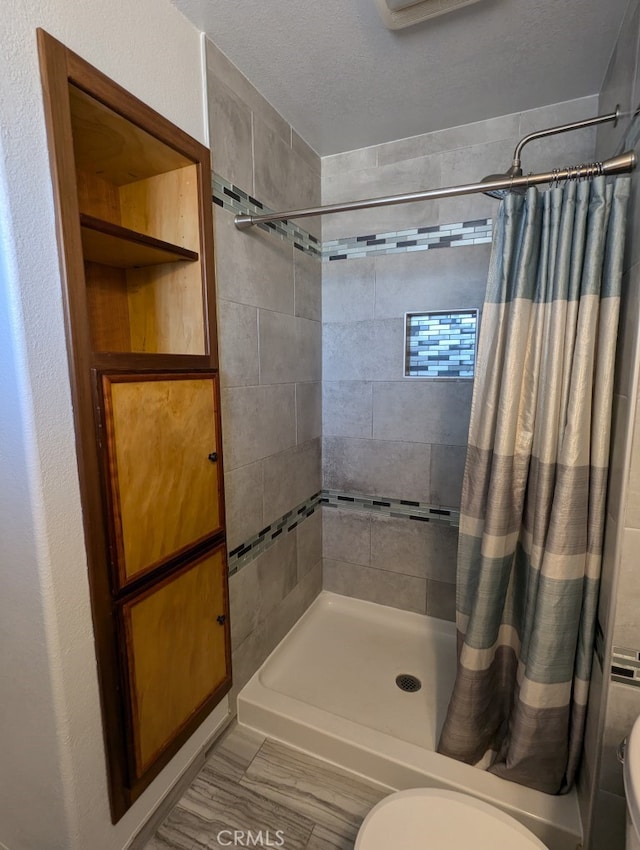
{"x": 329, "y": 688}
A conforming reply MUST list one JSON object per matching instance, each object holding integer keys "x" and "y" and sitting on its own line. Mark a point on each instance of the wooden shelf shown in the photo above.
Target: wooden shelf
{"x": 119, "y": 247}
{"x": 118, "y": 150}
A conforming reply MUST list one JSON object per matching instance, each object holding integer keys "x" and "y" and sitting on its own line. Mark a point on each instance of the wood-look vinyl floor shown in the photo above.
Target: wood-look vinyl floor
{"x": 256, "y": 792}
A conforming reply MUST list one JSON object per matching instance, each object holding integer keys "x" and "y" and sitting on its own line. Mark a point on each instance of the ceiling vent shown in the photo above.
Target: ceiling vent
{"x": 404, "y": 13}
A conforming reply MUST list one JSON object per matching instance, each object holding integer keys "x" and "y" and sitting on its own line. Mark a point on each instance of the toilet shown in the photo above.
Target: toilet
{"x": 631, "y": 773}
{"x": 436, "y": 819}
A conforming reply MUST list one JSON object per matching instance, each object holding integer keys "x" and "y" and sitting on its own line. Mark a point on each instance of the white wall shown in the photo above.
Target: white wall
{"x": 53, "y": 791}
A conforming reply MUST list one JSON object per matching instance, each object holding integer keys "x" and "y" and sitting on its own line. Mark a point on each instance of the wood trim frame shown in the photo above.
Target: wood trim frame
{"x": 59, "y": 67}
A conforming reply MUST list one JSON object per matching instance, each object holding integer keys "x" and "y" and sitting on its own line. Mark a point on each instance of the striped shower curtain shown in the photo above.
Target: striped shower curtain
{"x": 534, "y": 490}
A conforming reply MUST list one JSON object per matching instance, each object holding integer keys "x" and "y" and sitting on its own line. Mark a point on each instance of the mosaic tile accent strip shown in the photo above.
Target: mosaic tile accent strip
{"x": 238, "y": 202}
{"x": 250, "y": 549}
{"x": 440, "y": 344}
{"x": 625, "y": 666}
{"x": 401, "y": 508}
{"x": 457, "y": 235}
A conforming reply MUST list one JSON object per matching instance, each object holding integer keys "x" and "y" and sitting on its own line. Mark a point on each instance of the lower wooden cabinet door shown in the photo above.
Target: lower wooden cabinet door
{"x": 177, "y": 655}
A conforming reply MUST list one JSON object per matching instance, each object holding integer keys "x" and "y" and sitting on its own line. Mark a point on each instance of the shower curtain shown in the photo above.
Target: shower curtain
{"x": 534, "y": 488}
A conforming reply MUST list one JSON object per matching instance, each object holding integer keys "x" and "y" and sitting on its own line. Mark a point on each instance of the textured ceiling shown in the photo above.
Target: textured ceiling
{"x": 344, "y": 81}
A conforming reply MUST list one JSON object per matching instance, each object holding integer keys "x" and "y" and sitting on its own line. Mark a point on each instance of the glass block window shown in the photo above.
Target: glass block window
{"x": 440, "y": 344}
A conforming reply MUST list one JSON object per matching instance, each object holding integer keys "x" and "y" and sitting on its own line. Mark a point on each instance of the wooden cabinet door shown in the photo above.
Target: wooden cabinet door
{"x": 162, "y": 449}
{"x": 177, "y": 654}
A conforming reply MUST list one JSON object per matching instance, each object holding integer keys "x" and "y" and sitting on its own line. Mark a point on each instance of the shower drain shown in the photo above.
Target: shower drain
{"x": 407, "y": 682}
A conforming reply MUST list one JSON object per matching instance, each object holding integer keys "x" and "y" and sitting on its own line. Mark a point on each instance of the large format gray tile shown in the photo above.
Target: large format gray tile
{"x": 225, "y": 71}
{"x": 471, "y": 164}
{"x": 378, "y": 468}
{"x": 238, "y": 340}
{"x": 308, "y": 286}
{"x": 290, "y": 478}
{"x": 268, "y": 632}
{"x": 411, "y": 175}
{"x": 252, "y": 267}
{"x": 308, "y": 411}
{"x": 441, "y": 600}
{"x": 316, "y": 790}
{"x": 490, "y": 130}
{"x": 343, "y": 163}
{"x": 306, "y": 152}
{"x": 243, "y": 502}
{"x": 277, "y": 574}
{"x": 293, "y": 606}
{"x": 422, "y": 549}
{"x": 257, "y": 422}
{"x": 363, "y": 351}
{"x": 230, "y": 134}
{"x": 346, "y": 536}
{"x": 282, "y": 178}
{"x": 422, "y": 411}
{"x": 290, "y": 348}
{"x": 447, "y": 279}
{"x": 386, "y": 588}
{"x": 389, "y": 179}
{"x": 447, "y": 469}
{"x": 243, "y": 604}
{"x": 248, "y": 656}
{"x": 347, "y": 408}
{"x": 348, "y": 290}
{"x": 309, "y": 539}
{"x": 257, "y": 589}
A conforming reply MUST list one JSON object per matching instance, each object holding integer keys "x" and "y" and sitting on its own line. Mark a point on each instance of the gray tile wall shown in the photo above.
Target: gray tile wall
{"x": 269, "y": 303}
{"x": 392, "y": 561}
{"x": 384, "y": 434}
{"x": 613, "y": 706}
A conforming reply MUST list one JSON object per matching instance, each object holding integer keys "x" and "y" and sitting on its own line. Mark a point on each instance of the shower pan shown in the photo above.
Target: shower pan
{"x": 330, "y": 689}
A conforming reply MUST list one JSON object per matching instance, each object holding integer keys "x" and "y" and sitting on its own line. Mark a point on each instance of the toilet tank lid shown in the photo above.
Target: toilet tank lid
{"x": 632, "y": 774}
{"x": 440, "y": 819}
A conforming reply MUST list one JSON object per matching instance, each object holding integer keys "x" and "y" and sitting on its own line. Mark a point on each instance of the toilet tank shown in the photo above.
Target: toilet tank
{"x": 632, "y": 786}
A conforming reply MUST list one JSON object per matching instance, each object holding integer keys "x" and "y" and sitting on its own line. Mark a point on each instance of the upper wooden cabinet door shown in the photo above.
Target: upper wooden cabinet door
{"x": 162, "y": 449}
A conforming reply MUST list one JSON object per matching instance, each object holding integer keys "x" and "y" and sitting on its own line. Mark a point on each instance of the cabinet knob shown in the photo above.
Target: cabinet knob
{"x": 222, "y": 619}
{"x": 213, "y": 457}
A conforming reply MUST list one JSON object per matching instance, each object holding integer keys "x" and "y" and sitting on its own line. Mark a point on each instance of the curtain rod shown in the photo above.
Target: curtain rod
{"x": 621, "y": 164}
